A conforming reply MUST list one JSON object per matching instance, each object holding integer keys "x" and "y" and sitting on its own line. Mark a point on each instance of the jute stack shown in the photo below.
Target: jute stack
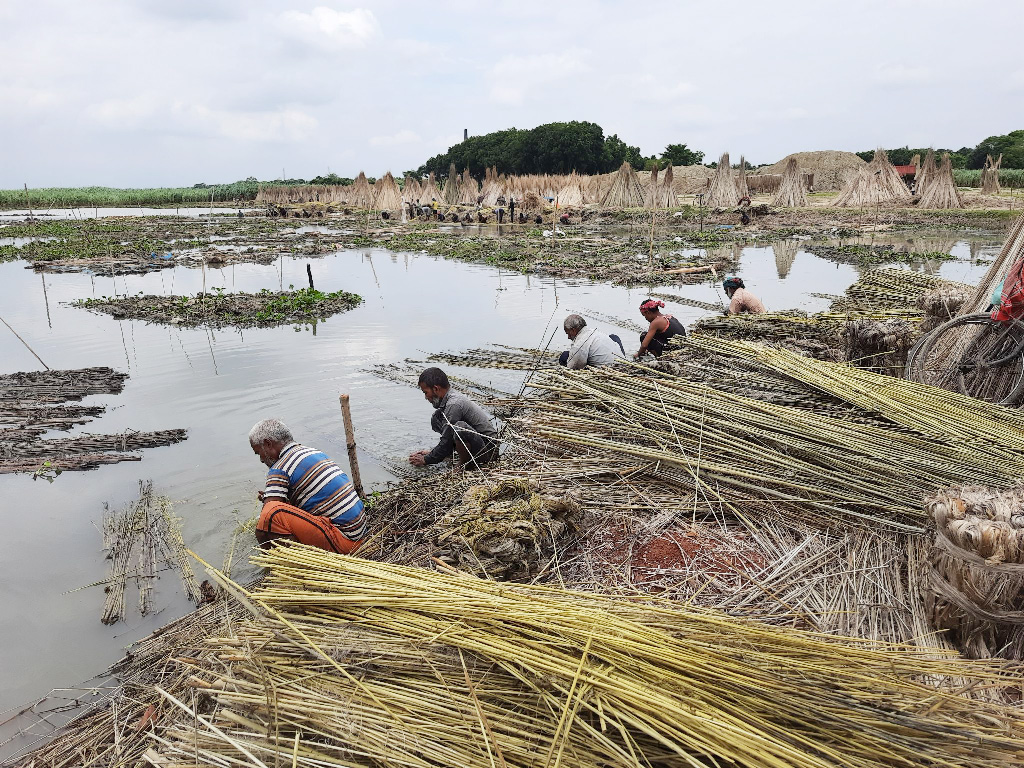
{"x": 990, "y": 176}
{"x": 430, "y": 191}
{"x": 572, "y": 192}
{"x": 492, "y": 188}
{"x": 723, "y": 187}
{"x": 879, "y": 345}
{"x": 791, "y": 190}
{"x": 666, "y": 197}
{"x": 507, "y": 531}
{"x": 451, "y": 186}
{"x": 876, "y": 183}
{"x": 975, "y": 587}
{"x": 468, "y": 190}
{"x": 941, "y": 304}
{"x": 388, "y": 195}
{"x": 411, "y": 189}
{"x": 941, "y": 191}
{"x": 926, "y": 173}
{"x": 741, "y": 180}
{"x": 361, "y": 194}
{"x": 625, "y": 190}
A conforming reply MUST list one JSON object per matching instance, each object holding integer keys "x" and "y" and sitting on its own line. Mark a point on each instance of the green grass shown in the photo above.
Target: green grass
{"x": 1011, "y": 178}
{"x": 109, "y": 197}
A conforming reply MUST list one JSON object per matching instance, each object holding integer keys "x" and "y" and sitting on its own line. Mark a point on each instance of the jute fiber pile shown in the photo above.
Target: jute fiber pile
{"x": 791, "y": 190}
{"x": 941, "y": 304}
{"x": 877, "y": 183}
{"x": 879, "y": 345}
{"x": 723, "y": 187}
{"x": 975, "y": 588}
{"x": 941, "y": 191}
{"x": 349, "y": 662}
{"x": 388, "y": 195}
{"x": 506, "y": 531}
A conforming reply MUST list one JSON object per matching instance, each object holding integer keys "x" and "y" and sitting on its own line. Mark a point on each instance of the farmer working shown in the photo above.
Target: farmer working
{"x": 589, "y": 346}
{"x": 662, "y": 328}
{"x": 740, "y": 299}
{"x": 307, "y": 498}
{"x": 465, "y": 427}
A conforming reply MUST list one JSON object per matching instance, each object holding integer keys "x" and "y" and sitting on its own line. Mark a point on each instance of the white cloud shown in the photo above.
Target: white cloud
{"x": 402, "y": 137}
{"x": 901, "y": 74}
{"x": 329, "y": 28}
{"x": 277, "y": 125}
{"x": 122, "y": 114}
{"x": 514, "y": 77}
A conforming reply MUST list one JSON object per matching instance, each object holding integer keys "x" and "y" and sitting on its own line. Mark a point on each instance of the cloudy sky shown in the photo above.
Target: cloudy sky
{"x": 175, "y": 92}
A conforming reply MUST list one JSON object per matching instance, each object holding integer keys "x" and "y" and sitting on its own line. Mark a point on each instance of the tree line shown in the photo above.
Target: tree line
{"x": 1010, "y": 146}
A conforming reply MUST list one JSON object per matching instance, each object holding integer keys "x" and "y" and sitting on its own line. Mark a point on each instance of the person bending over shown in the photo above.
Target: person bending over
{"x": 740, "y": 299}
{"x": 589, "y": 347}
{"x": 661, "y": 329}
{"x": 464, "y": 426}
{"x": 307, "y": 497}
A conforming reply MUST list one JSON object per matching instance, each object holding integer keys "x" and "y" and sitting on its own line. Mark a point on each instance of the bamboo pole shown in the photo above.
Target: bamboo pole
{"x": 350, "y": 443}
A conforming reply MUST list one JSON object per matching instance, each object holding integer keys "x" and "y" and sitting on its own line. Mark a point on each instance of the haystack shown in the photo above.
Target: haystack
{"x": 389, "y": 196}
{"x": 925, "y": 173}
{"x": 507, "y": 531}
{"x": 990, "y": 176}
{"x": 877, "y": 183}
{"x": 723, "y": 187}
{"x": 791, "y": 189}
{"x": 941, "y": 191}
{"x": 450, "y": 193}
{"x": 361, "y": 194}
{"x": 625, "y": 190}
{"x": 974, "y": 588}
{"x": 429, "y": 190}
{"x": 742, "y": 190}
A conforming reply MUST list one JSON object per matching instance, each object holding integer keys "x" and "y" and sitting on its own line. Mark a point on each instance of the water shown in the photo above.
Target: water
{"x": 91, "y": 212}
{"x": 218, "y": 383}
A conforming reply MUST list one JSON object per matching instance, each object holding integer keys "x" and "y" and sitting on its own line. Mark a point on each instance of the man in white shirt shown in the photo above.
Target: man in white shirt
{"x": 589, "y": 346}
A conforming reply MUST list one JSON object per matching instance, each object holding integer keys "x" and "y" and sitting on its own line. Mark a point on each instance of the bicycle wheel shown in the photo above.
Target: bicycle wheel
{"x": 958, "y": 356}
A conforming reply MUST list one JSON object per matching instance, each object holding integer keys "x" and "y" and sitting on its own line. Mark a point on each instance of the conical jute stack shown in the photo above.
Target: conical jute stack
{"x": 411, "y": 189}
{"x": 926, "y": 173}
{"x": 389, "y": 196}
{"x": 625, "y": 191}
{"x": 990, "y": 176}
{"x": 791, "y": 190}
{"x": 723, "y": 187}
{"x": 666, "y": 193}
{"x": 572, "y": 192}
{"x": 877, "y": 183}
{"x": 941, "y": 191}
{"x": 742, "y": 190}
{"x": 361, "y": 195}
{"x": 451, "y": 186}
{"x": 429, "y": 191}
{"x": 468, "y": 190}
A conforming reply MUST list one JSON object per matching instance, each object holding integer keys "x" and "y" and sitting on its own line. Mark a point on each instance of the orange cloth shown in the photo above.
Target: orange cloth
{"x": 280, "y": 518}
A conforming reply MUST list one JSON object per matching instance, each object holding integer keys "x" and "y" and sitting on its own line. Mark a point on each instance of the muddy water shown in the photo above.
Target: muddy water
{"x": 218, "y": 383}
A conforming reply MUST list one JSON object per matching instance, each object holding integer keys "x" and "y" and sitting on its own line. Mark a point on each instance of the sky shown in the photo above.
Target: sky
{"x": 178, "y": 92}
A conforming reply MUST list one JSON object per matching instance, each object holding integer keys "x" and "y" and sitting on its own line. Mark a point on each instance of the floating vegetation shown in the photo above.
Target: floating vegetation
{"x": 874, "y": 254}
{"x": 147, "y": 535}
{"x": 34, "y": 402}
{"x": 501, "y": 356}
{"x": 219, "y": 309}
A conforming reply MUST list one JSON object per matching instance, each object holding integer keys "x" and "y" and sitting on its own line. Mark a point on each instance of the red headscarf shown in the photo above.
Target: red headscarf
{"x": 651, "y": 305}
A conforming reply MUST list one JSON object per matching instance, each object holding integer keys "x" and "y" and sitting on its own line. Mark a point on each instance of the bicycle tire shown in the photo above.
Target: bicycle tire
{"x": 960, "y": 365}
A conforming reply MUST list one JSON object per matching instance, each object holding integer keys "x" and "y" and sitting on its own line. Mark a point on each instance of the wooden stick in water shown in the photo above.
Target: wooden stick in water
{"x": 350, "y": 443}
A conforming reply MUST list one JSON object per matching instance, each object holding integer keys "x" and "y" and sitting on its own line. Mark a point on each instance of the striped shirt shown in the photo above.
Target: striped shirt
{"x": 308, "y": 479}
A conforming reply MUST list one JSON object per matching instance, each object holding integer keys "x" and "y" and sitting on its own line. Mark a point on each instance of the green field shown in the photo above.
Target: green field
{"x": 108, "y": 197}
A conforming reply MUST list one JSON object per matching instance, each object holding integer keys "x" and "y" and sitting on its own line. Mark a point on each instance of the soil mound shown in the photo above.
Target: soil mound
{"x": 831, "y": 169}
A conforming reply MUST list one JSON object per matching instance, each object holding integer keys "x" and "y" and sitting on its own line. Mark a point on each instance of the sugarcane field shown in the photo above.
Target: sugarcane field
{"x": 483, "y": 446}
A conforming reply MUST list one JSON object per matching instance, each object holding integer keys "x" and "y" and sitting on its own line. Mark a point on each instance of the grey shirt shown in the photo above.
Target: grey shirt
{"x": 456, "y": 407}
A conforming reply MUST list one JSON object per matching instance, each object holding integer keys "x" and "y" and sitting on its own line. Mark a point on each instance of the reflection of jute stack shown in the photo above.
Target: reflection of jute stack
{"x": 785, "y": 254}
{"x": 723, "y": 188}
{"x": 975, "y": 587}
{"x": 791, "y": 190}
{"x": 940, "y": 190}
{"x": 506, "y": 531}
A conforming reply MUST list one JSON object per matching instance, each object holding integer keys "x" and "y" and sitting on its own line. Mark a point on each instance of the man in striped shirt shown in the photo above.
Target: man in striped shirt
{"x": 307, "y": 497}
